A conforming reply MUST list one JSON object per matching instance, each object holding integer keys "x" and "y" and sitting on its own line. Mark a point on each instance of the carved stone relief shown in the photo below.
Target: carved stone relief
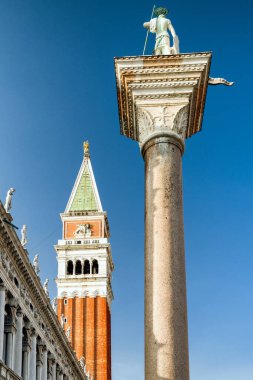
{"x": 164, "y": 118}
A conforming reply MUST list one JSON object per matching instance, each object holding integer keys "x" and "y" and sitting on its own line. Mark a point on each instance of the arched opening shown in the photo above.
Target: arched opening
{"x": 70, "y": 267}
{"x": 78, "y": 267}
{"x": 86, "y": 269}
{"x": 94, "y": 267}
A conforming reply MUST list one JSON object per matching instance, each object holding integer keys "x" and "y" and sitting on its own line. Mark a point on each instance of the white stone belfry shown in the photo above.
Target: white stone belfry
{"x": 161, "y": 102}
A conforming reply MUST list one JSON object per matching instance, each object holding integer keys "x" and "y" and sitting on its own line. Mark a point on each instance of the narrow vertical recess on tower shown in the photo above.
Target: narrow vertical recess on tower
{"x": 85, "y": 294}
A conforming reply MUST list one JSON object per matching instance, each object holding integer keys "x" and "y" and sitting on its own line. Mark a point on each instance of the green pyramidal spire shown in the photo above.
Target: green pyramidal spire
{"x": 84, "y": 196}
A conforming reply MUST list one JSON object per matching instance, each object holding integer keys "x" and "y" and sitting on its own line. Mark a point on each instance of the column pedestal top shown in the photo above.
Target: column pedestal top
{"x": 162, "y": 94}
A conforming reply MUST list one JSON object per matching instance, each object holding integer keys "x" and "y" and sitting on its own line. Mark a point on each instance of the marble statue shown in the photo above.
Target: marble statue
{"x": 24, "y": 236}
{"x": 62, "y": 320}
{"x": 160, "y": 25}
{"x": 9, "y": 195}
{"x": 45, "y": 287}
{"x": 82, "y": 363}
{"x": 54, "y": 304}
{"x": 36, "y": 264}
{"x": 68, "y": 333}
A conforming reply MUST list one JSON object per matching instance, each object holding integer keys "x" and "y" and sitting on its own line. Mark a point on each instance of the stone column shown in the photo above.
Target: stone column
{"x": 54, "y": 370}
{"x": 44, "y": 365}
{"x": 2, "y": 310}
{"x": 25, "y": 366}
{"x": 26, "y": 350}
{"x": 166, "y": 335}
{"x": 57, "y": 372}
{"x": 32, "y": 361}
{"x": 9, "y": 348}
{"x": 18, "y": 344}
{"x": 161, "y": 103}
{"x": 39, "y": 360}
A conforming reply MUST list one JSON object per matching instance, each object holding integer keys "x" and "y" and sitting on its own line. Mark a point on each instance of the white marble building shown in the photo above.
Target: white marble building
{"x": 33, "y": 345}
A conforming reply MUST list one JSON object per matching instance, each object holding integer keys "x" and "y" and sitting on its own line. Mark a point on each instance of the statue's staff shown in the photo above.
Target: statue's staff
{"x": 148, "y": 32}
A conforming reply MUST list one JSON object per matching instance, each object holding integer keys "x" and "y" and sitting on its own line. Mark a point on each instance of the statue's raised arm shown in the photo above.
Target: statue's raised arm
{"x": 160, "y": 25}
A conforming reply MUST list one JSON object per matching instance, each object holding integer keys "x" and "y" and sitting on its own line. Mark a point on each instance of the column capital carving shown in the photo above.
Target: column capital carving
{"x": 33, "y": 332}
{"x": 2, "y": 287}
{"x": 19, "y": 313}
{"x": 160, "y": 120}
{"x": 40, "y": 352}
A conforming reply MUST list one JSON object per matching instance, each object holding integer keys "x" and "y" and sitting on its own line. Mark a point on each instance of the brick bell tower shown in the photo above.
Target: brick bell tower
{"x": 84, "y": 274}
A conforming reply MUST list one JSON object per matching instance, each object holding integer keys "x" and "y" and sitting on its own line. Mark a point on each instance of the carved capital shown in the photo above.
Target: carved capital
{"x": 159, "y": 120}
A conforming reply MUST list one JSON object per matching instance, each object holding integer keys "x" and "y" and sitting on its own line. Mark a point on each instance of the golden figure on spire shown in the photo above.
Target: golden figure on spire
{"x": 86, "y": 148}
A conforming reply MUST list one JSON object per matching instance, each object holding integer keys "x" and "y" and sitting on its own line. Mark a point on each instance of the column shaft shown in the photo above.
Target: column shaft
{"x": 54, "y": 371}
{"x": 18, "y": 345}
{"x": 9, "y": 349}
{"x": 166, "y": 336}
{"x": 25, "y": 369}
{"x": 38, "y": 372}
{"x": 2, "y": 309}
{"x": 44, "y": 366}
{"x": 32, "y": 361}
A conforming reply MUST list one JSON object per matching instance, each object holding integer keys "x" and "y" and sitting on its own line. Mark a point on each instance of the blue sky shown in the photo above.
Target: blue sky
{"x": 57, "y": 88}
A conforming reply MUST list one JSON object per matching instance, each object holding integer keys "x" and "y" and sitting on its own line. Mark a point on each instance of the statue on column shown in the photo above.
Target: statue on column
{"x": 8, "y": 200}
{"x": 160, "y": 25}
{"x": 24, "y": 236}
{"x": 45, "y": 287}
{"x": 36, "y": 264}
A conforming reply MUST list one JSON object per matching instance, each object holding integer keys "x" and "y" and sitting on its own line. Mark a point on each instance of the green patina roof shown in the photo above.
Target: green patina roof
{"x": 84, "y": 198}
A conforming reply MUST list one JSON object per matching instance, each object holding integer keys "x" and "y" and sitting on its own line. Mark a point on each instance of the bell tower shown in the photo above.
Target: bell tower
{"x": 84, "y": 274}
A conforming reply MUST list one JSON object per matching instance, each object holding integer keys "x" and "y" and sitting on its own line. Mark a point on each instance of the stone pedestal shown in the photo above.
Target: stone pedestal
{"x": 161, "y": 103}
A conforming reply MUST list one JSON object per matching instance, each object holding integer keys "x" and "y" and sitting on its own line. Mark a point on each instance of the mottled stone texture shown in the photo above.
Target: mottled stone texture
{"x": 166, "y": 334}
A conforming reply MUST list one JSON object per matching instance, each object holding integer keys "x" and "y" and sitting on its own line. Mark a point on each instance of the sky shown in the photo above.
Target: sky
{"x": 57, "y": 89}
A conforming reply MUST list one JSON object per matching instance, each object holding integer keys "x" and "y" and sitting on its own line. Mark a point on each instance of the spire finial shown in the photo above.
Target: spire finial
{"x": 86, "y": 148}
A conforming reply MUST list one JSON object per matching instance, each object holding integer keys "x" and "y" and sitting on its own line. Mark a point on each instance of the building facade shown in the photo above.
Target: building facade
{"x": 84, "y": 274}
{"x": 33, "y": 345}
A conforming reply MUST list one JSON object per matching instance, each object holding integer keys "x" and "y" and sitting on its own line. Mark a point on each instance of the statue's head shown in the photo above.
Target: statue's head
{"x": 161, "y": 11}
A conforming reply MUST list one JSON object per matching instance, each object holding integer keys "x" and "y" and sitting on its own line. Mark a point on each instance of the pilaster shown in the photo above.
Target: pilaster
{"x": 32, "y": 361}
{"x": 18, "y": 343}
